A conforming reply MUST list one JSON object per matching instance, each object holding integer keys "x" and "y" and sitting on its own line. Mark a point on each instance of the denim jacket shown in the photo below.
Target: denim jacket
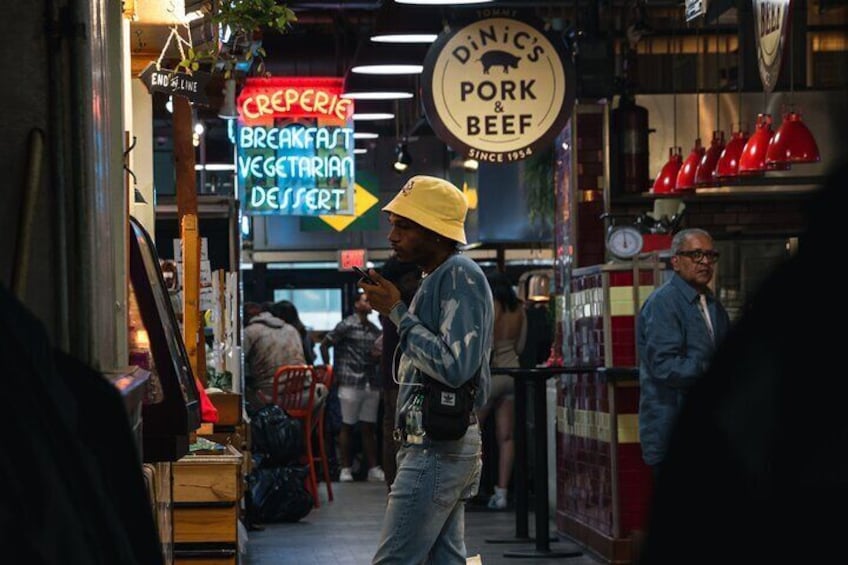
{"x": 446, "y": 333}
{"x": 675, "y": 348}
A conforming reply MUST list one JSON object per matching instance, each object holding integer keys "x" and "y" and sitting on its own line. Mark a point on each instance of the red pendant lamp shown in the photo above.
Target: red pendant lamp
{"x": 705, "y": 173}
{"x": 728, "y": 162}
{"x": 667, "y": 179}
{"x": 686, "y": 175}
{"x": 793, "y": 143}
{"x": 753, "y": 158}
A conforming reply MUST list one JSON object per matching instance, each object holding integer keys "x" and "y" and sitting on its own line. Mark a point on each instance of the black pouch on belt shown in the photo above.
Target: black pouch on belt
{"x": 447, "y": 411}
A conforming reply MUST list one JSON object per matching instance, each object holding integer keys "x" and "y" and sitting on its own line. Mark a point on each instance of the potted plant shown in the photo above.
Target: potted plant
{"x": 241, "y": 26}
{"x": 242, "y": 23}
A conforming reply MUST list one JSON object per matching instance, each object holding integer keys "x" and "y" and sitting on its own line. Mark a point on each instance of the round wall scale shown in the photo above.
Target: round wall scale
{"x": 624, "y": 242}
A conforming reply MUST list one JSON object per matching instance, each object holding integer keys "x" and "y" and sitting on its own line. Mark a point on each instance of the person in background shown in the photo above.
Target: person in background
{"x": 677, "y": 331}
{"x": 287, "y": 312}
{"x": 406, "y": 277}
{"x": 445, "y": 333}
{"x": 268, "y": 344}
{"x": 508, "y": 343}
{"x": 355, "y": 370}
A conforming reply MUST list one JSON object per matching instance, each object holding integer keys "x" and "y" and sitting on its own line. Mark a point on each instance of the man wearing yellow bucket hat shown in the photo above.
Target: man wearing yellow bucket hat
{"x": 445, "y": 334}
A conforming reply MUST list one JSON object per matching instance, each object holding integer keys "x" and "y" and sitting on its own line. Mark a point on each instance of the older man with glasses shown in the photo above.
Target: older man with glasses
{"x": 678, "y": 329}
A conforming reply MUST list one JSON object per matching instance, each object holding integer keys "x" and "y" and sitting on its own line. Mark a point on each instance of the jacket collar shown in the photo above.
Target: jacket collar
{"x": 688, "y": 290}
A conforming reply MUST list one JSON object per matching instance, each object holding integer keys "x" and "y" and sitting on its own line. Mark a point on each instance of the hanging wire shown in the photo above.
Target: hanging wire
{"x": 739, "y": 84}
{"x": 718, "y": 82}
{"x": 674, "y": 48}
{"x": 698, "y": 82}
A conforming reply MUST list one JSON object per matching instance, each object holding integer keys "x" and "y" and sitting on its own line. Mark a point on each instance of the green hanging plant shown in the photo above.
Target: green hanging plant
{"x": 248, "y": 16}
{"x": 246, "y": 20}
{"x": 539, "y": 185}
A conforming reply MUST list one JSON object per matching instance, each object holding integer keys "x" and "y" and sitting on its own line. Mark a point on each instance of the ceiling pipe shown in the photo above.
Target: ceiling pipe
{"x": 374, "y": 5}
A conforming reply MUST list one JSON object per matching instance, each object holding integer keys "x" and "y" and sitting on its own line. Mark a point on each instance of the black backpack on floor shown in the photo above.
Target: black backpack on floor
{"x": 278, "y": 494}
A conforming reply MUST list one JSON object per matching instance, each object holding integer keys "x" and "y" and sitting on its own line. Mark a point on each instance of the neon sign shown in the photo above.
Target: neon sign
{"x": 295, "y": 147}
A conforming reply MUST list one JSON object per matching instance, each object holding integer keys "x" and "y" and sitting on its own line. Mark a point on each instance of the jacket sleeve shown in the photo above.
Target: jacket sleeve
{"x": 665, "y": 352}
{"x": 453, "y": 353}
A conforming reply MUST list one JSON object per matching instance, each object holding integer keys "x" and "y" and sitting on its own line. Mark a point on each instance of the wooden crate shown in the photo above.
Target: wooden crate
{"x": 207, "y": 488}
{"x": 229, "y": 407}
{"x": 196, "y": 524}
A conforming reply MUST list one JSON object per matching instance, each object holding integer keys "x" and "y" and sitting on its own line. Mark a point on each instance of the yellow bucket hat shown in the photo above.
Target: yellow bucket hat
{"x": 433, "y": 203}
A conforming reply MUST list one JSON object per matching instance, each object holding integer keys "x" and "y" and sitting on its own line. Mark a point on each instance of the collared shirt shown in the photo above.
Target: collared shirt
{"x": 446, "y": 333}
{"x": 675, "y": 347}
{"x": 353, "y": 361}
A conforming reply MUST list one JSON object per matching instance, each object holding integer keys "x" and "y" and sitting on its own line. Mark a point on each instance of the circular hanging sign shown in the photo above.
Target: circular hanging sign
{"x": 771, "y": 24}
{"x": 497, "y": 89}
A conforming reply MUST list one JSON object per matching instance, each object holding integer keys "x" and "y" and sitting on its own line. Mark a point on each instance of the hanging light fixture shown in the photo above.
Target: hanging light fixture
{"x": 539, "y": 288}
{"x": 402, "y": 157}
{"x": 728, "y": 162}
{"x": 705, "y": 173}
{"x": 793, "y": 142}
{"x": 686, "y": 174}
{"x": 753, "y": 158}
{"x": 667, "y": 179}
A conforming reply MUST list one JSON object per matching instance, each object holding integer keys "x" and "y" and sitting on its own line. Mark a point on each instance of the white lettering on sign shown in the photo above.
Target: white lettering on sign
{"x": 497, "y": 87}
{"x": 294, "y": 166}
{"x": 291, "y": 199}
{"x": 294, "y": 137}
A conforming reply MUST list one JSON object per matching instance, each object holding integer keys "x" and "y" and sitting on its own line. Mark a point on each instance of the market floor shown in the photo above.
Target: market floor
{"x": 345, "y": 532}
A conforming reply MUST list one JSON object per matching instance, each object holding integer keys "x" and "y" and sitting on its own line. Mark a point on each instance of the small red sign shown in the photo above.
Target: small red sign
{"x": 349, "y": 258}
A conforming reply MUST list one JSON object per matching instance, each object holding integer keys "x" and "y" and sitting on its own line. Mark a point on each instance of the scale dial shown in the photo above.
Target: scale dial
{"x": 624, "y": 242}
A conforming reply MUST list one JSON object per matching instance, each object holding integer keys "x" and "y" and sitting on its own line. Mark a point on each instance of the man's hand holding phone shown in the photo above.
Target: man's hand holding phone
{"x": 382, "y": 294}
{"x": 365, "y": 276}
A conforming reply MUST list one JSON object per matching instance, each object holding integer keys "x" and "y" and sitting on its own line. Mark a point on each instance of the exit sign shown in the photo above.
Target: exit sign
{"x": 349, "y": 258}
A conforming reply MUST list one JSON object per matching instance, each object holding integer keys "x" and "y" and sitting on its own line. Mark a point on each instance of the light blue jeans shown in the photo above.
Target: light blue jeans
{"x": 425, "y": 516}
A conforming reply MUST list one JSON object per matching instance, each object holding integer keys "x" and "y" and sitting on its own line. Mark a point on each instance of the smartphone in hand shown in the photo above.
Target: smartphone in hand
{"x": 364, "y": 275}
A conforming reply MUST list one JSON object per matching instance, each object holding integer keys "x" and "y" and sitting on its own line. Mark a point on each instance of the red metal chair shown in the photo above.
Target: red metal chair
{"x": 294, "y": 391}
{"x": 323, "y": 374}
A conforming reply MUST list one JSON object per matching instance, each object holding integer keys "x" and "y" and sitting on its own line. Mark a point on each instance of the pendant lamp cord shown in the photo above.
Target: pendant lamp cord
{"x": 698, "y": 83}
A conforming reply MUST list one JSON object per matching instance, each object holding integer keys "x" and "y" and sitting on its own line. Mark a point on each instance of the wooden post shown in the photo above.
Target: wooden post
{"x": 189, "y": 233}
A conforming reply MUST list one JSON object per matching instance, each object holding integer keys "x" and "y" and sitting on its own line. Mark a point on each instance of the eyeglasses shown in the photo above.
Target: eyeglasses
{"x": 698, "y": 255}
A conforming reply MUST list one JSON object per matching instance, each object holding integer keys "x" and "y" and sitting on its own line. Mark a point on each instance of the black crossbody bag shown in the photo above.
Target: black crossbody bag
{"x": 447, "y": 411}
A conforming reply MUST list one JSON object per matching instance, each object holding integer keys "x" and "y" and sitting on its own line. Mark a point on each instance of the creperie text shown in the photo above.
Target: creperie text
{"x": 311, "y": 101}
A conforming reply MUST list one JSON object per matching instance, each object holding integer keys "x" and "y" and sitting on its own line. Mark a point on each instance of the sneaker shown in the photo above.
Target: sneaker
{"x": 345, "y": 476}
{"x": 497, "y": 502}
{"x": 376, "y": 475}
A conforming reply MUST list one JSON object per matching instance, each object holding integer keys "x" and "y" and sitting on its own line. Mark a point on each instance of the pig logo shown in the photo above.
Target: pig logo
{"x": 499, "y": 59}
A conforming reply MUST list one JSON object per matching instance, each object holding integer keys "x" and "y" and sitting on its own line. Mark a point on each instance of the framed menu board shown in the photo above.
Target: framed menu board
{"x": 167, "y": 423}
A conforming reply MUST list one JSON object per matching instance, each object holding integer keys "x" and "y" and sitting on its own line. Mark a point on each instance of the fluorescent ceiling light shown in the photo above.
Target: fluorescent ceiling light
{"x": 216, "y": 167}
{"x": 373, "y": 116}
{"x": 365, "y": 135}
{"x": 360, "y": 151}
{"x": 377, "y": 95}
{"x": 387, "y": 69}
{"x": 441, "y": 2}
{"x": 405, "y": 38}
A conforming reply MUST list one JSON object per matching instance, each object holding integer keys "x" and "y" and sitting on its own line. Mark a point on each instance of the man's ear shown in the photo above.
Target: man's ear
{"x": 674, "y": 263}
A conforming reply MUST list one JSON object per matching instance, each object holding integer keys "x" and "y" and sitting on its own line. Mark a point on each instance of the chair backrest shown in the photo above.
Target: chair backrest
{"x": 323, "y": 374}
{"x": 294, "y": 389}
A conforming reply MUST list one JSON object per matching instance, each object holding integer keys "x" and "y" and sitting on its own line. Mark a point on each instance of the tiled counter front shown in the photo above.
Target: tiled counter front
{"x": 603, "y": 486}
